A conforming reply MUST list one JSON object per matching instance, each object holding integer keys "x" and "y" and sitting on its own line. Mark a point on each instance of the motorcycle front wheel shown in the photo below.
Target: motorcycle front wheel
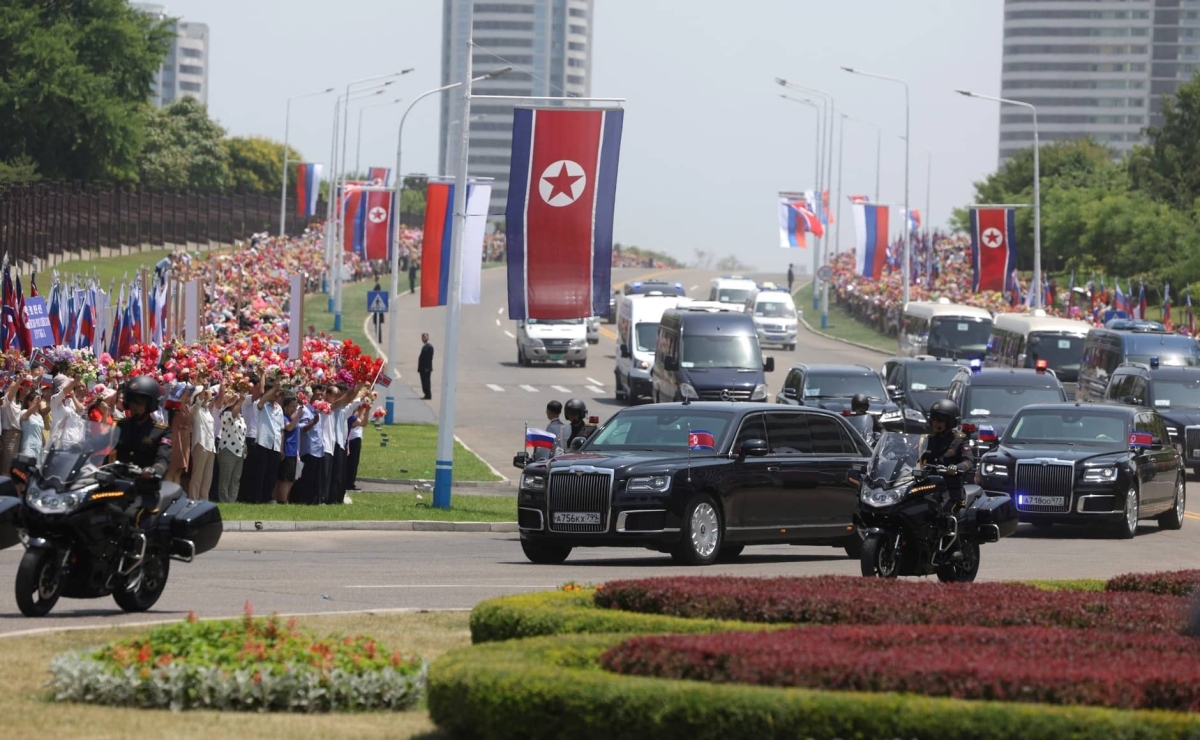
{"x": 879, "y": 558}
{"x": 153, "y": 579}
{"x": 964, "y": 570}
{"x": 39, "y": 582}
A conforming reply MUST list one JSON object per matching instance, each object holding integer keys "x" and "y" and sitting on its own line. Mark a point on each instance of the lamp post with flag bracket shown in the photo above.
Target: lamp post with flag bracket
{"x": 444, "y": 470}
{"x": 287, "y": 123}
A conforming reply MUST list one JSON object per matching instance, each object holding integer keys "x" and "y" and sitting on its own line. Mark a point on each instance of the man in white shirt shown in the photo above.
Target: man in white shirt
{"x": 248, "y": 493}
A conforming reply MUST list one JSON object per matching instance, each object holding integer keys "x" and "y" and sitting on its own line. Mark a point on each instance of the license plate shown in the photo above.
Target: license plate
{"x": 558, "y": 356}
{"x": 574, "y": 517}
{"x": 1195, "y": 453}
{"x": 1043, "y": 500}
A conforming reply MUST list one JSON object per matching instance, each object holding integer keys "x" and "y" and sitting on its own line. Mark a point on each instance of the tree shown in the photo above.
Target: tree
{"x": 1168, "y": 168}
{"x": 184, "y": 149}
{"x": 256, "y": 162}
{"x": 75, "y": 85}
{"x": 412, "y": 200}
{"x": 20, "y": 169}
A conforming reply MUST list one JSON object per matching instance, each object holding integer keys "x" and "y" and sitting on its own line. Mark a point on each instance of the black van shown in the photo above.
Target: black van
{"x": 1123, "y": 341}
{"x": 706, "y": 354}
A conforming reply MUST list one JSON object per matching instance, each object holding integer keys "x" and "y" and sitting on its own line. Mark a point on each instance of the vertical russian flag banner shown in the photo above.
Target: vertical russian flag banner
{"x": 354, "y": 217}
{"x": 308, "y": 185}
{"x": 871, "y": 234}
{"x": 791, "y": 225}
{"x": 436, "y": 241}
{"x": 993, "y": 248}
{"x": 559, "y": 217}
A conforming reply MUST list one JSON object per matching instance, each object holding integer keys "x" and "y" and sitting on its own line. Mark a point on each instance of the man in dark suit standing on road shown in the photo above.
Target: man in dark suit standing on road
{"x": 425, "y": 366}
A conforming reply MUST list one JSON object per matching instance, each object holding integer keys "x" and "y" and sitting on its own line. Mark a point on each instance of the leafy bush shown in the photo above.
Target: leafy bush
{"x": 248, "y": 664}
{"x": 1172, "y": 583}
{"x": 1027, "y": 664}
{"x": 550, "y": 688}
{"x": 846, "y": 600}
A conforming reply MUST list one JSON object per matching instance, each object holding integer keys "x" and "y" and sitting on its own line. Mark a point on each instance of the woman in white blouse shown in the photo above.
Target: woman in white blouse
{"x": 204, "y": 443}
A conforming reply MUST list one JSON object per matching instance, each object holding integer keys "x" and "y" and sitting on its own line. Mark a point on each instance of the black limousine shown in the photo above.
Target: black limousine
{"x": 1092, "y": 464}
{"x": 699, "y": 481}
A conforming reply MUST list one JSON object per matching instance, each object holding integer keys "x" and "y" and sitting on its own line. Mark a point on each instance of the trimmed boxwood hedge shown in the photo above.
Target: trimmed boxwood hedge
{"x": 552, "y": 688}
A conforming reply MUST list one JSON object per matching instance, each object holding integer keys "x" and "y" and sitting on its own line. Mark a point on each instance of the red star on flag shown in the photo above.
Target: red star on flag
{"x": 561, "y": 183}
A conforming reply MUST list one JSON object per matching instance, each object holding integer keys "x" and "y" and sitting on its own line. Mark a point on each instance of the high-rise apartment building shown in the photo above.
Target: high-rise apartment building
{"x": 549, "y": 45}
{"x": 185, "y": 70}
{"x": 1096, "y": 68}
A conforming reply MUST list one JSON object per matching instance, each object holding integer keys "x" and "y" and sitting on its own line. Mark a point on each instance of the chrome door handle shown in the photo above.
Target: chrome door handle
{"x": 773, "y": 469}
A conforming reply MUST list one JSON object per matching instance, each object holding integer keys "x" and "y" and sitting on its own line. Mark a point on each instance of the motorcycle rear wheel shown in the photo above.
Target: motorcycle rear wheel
{"x": 963, "y": 571}
{"x": 39, "y": 582}
{"x": 879, "y": 558}
{"x": 154, "y": 572}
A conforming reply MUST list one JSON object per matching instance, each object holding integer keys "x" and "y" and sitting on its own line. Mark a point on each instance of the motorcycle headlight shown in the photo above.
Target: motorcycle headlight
{"x": 688, "y": 391}
{"x": 533, "y": 482}
{"x": 649, "y": 484}
{"x": 914, "y": 415}
{"x": 52, "y": 502}
{"x": 996, "y": 470}
{"x": 1105, "y": 474}
{"x": 881, "y": 496}
{"x": 760, "y": 393}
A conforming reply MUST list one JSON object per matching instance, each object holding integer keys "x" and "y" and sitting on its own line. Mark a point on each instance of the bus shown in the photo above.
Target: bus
{"x": 944, "y": 330}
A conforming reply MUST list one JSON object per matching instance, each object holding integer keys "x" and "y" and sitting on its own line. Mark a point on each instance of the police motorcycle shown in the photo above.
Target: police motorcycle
{"x": 902, "y": 518}
{"x": 862, "y": 419}
{"x": 85, "y": 531}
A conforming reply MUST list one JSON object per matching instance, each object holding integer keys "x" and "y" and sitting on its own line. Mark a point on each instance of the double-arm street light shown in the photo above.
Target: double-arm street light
{"x": 287, "y": 123}
{"x": 907, "y": 236}
{"x": 1037, "y": 192}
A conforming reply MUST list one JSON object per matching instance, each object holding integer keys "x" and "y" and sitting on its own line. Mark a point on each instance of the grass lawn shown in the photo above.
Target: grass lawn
{"x": 841, "y": 324}
{"x": 113, "y": 268}
{"x": 411, "y": 453}
{"x": 382, "y": 507}
{"x": 24, "y": 701}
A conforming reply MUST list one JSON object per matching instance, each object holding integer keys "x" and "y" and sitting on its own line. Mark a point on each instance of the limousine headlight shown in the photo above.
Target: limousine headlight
{"x": 997, "y": 470}
{"x": 533, "y": 482}
{"x": 1105, "y": 474}
{"x": 649, "y": 484}
{"x": 760, "y": 393}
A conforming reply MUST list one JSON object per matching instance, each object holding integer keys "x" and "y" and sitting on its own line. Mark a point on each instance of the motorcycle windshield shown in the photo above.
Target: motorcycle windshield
{"x": 77, "y": 448}
{"x": 895, "y": 456}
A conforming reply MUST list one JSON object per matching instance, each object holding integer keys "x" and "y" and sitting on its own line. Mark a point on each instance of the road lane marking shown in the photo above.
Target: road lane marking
{"x": 593, "y": 381}
{"x": 594, "y": 389}
{"x": 529, "y": 388}
{"x": 496, "y": 388}
{"x": 510, "y": 334}
{"x": 1190, "y": 515}
{"x": 560, "y": 389}
{"x": 608, "y": 332}
{"x": 693, "y": 287}
{"x": 500, "y": 310}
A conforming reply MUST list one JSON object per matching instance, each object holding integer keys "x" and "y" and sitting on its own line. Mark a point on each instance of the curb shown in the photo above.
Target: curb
{"x": 506, "y": 483}
{"x": 404, "y": 526}
{"x": 860, "y": 345}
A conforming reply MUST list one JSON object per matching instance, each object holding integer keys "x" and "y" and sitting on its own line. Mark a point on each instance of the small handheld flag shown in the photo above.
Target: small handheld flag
{"x": 539, "y": 439}
{"x": 700, "y": 439}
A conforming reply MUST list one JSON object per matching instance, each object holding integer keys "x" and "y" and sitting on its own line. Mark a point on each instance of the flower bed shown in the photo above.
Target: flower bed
{"x": 1027, "y": 664}
{"x": 846, "y": 600}
{"x": 1173, "y": 583}
{"x": 250, "y": 664}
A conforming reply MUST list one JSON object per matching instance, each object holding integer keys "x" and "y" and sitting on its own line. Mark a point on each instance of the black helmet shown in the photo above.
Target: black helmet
{"x": 860, "y": 402}
{"x": 143, "y": 388}
{"x": 947, "y": 411}
{"x": 576, "y": 406}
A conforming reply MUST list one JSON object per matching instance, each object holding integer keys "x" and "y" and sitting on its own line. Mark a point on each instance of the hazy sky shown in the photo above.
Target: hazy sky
{"x": 707, "y": 143}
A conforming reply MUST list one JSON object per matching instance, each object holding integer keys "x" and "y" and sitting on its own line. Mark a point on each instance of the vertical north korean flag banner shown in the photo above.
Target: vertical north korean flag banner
{"x": 354, "y": 218}
{"x": 436, "y": 241}
{"x": 871, "y": 232}
{"x": 378, "y": 224}
{"x": 308, "y": 183}
{"x": 379, "y": 176}
{"x": 559, "y": 218}
{"x": 993, "y": 247}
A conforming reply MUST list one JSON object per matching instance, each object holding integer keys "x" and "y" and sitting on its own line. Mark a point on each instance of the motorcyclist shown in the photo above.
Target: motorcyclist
{"x": 144, "y": 442}
{"x": 868, "y": 425}
{"x": 949, "y": 448}
{"x": 576, "y": 413}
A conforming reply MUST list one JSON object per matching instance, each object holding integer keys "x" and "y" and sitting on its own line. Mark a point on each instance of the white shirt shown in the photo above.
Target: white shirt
{"x": 270, "y": 427}
{"x": 328, "y": 435}
{"x": 341, "y": 425}
{"x": 356, "y": 432}
{"x": 202, "y": 427}
{"x": 250, "y": 414}
{"x": 66, "y": 425}
{"x": 10, "y": 415}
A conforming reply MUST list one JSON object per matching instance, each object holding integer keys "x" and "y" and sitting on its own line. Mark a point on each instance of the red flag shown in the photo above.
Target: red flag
{"x": 379, "y": 210}
{"x": 24, "y": 336}
{"x": 993, "y": 248}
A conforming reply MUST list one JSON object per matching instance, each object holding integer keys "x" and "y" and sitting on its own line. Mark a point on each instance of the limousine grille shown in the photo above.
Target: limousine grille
{"x": 1035, "y": 478}
{"x": 726, "y": 394}
{"x": 1191, "y": 444}
{"x": 580, "y": 493}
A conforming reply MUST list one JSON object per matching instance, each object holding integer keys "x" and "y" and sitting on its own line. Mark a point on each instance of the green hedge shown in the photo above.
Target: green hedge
{"x": 551, "y": 688}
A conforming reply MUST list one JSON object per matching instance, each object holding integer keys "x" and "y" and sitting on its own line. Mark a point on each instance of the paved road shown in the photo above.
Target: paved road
{"x": 353, "y": 571}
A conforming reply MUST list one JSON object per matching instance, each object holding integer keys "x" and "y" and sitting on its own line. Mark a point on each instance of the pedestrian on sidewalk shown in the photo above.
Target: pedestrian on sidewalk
{"x": 286, "y": 477}
{"x": 377, "y": 320}
{"x": 791, "y": 278}
{"x": 247, "y": 493}
{"x": 310, "y": 489}
{"x": 357, "y": 421}
{"x": 204, "y": 443}
{"x": 425, "y": 367}
{"x": 412, "y": 275}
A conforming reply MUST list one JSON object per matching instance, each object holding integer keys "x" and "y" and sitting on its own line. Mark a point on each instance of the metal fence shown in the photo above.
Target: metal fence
{"x": 44, "y": 218}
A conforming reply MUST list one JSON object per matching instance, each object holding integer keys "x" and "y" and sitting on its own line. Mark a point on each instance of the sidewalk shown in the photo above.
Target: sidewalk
{"x": 368, "y": 526}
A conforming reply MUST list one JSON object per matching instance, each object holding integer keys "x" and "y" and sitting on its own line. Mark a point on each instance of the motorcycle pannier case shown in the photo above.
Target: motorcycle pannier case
{"x": 996, "y": 508}
{"x": 198, "y": 522}
{"x": 9, "y": 531}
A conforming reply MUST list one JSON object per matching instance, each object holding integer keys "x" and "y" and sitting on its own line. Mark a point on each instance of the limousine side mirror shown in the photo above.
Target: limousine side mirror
{"x": 789, "y": 392}
{"x": 520, "y": 460}
{"x": 577, "y": 443}
{"x": 895, "y": 393}
{"x": 1130, "y": 400}
{"x": 624, "y": 350}
{"x": 670, "y": 364}
{"x": 769, "y": 365}
{"x": 752, "y": 448}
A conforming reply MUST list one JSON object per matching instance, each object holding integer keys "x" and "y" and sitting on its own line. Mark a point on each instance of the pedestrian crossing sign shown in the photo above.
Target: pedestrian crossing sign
{"x": 377, "y": 301}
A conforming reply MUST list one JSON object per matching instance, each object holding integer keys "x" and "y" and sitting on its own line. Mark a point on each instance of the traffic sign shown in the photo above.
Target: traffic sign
{"x": 377, "y": 301}
{"x": 825, "y": 273}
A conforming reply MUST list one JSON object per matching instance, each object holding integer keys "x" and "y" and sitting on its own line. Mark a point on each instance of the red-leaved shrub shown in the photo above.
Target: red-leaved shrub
{"x": 846, "y": 600}
{"x": 1027, "y": 664}
{"x": 1172, "y": 582}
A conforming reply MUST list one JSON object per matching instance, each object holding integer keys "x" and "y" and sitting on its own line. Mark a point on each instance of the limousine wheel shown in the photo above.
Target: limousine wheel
{"x": 1173, "y": 519}
{"x": 544, "y": 553}
{"x": 730, "y": 552}
{"x": 1127, "y": 528}
{"x": 702, "y": 535}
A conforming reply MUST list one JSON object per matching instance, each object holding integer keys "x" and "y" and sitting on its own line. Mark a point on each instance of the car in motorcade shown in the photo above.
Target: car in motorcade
{"x": 1128, "y": 340}
{"x": 593, "y": 330}
{"x": 613, "y": 299}
{"x": 774, "y": 313}
{"x": 552, "y": 340}
{"x": 831, "y": 387}
{"x": 915, "y": 383}
{"x": 1020, "y": 340}
{"x": 1174, "y": 392}
{"x": 637, "y": 335}
{"x": 1100, "y": 465}
{"x": 992, "y": 396}
{"x": 700, "y": 481}
{"x": 944, "y": 329}
{"x": 733, "y": 290}
{"x": 708, "y": 354}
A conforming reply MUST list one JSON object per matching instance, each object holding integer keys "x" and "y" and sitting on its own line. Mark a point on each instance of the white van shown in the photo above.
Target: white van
{"x": 552, "y": 340}
{"x": 734, "y": 290}
{"x": 774, "y": 314}
{"x": 637, "y": 331}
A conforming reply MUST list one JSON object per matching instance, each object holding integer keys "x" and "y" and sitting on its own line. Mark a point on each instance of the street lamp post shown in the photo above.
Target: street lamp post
{"x": 928, "y": 188}
{"x": 878, "y": 147}
{"x": 393, "y": 344}
{"x": 819, "y": 112}
{"x": 1037, "y": 191}
{"x": 358, "y": 140}
{"x": 287, "y": 124}
{"x": 907, "y": 236}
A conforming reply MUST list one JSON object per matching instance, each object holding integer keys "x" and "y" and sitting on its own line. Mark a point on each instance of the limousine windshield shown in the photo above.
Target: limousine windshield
{"x": 950, "y": 334}
{"x": 656, "y": 430}
{"x": 1007, "y": 401}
